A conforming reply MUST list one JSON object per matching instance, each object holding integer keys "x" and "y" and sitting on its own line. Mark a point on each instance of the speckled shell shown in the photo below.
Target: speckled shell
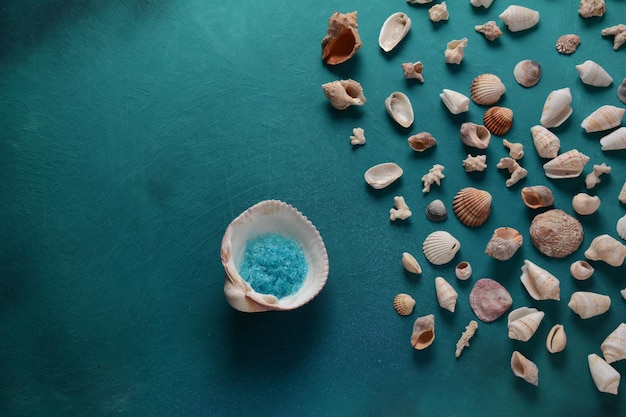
{"x": 344, "y": 93}
{"x": 486, "y": 89}
{"x": 503, "y": 244}
{"x": 463, "y": 270}
{"x": 567, "y": 165}
{"x": 604, "y": 118}
{"x": 440, "y": 247}
{"x": 523, "y": 322}
{"x": 581, "y": 270}
{"x": 608, "y": 249}
{"x": 524, "y": 368}
{"x": 620, "y": 227}
{"x": 556, "y": 234}
{"x": 518, "y": 18}
{"x": 423, "y": 332}
{"x": 382, "y": 175}
{"x": 498, "y": 120}
{"x": 446, "y": 295}
{"x": 394, "y": 29}
{"x": 527, "y": 73}
{"x": 537, "y": 196}
{"x": 585, "y": 204}
{"x": 400, "y": 109}
{"x": 614, "y": 141}
{"x": 591, "y": 73}
{"x": 540, "y": 284}
{"x": 410, "y": 263}
{"x": 557, "y": 339}
{"x": 567, "y": 44}
{"x": 546, "y": 143}
{"x": 557, "y": 108}
{"x": 476, "y": 136}
{"x": 403, "y": 303}
{"x": 589, "y": 304}
{"x": 604, "y": 376}
{"x": 342, "y": 39}
{"x": 621, "y": 91}
{"x": 472, "y": 206}
{"x": 614, "y": 346}
{"x": 421, "y": 141}
{"x": 489, "y": 299}
{"x": 436, "y": 211}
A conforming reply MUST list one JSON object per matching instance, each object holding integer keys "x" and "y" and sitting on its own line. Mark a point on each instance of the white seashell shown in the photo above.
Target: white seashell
{"x": 604, "y": 375}
{"x": 604, "y": 118}
{"x": 621, "y": 91}
{"x": 438, "y": 12}
{"x": 484, "y": 3}
{"x": 381, "y": 175}
{"x": 620, "y": 227}
{"x": 475, "y": 163}
{"x": 614, "y": 141}
{"x": 557, "y": 108}
{"x": 440, "y": 247}
{"x": 463, "y": 270}
{"x": 614, "y": 346}
{"x": 608, "y": 249}
{"x": 394, "y": 29}
{"x": 423, "y": 332}
{"x": 265, "y": 217}
{"x": 585, "y": 204}
{"x": 476, "y": 136}
{"x": 623, "y": 293}
{"x": 455, "y": 102}
{"x": 344, "y": 93}
{"x": 455, "y": 51}
{"x": 581, "y": 270}
{"x": 523, "y": 323}
{"x": 546, "y": 143}
{"x": 592, "y": 73}
{"x": 401, "y": 210}
{"x": 527, "y": 72}
{"x": 557, "y": 339}
{"x": 446, "y": 295}
{"x": 589, "y": 304}
{"x": 486, "y": 89}
{"x": 519, "y": 18}
{"x": 540, "y": 284}
{"x": 622, "y": 194}
{"x": 524, "y": 368}
{"x": 400, "y": 109}
{"x": 410, "y": 263}
{"x": 567, "y": 165}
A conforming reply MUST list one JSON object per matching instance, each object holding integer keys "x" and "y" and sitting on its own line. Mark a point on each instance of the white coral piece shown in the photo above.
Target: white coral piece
{"x": 434, "y": 176}
{"x": 515, "y": 169}
{"x": 401, "y": 211}
{"x": 593, "y": 177}
{"x": 358, "y": 136}
{"x": 475, "y": 163}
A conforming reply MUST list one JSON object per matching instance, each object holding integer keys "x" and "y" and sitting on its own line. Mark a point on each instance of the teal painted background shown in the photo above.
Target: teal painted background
{"x": 133, "y": 132}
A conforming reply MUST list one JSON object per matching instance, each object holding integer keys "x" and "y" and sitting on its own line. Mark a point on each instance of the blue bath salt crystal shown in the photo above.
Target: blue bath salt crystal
{"x": 274, "y": 264}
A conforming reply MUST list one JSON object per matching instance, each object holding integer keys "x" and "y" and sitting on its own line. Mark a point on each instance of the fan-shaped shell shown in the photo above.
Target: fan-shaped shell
{"x": 523, "y": 323}
{"x": 489, "y": 300}
{"x": 382, "y": 175}
{"x": 546, "y": 143}
{"x": 608, "y": 249}
{"x": 410, "y": 263}
{"x": 527, "y": 72}
{"x": 476, "y": 136}
{"x": 394, "y": 29}
{"x": 486, "y": 89}
{"x": 524, "y": 368}
{"x": 604, "y": 118}
{"x": 463, "y": 270}
{"x": 342, "y": 38}
{"x": 503, "y": 244}
{"x": 446, "y": 295}
{"x": 436, "y": 211}
{"x": 537, "y": 196}
{"x": 440, "y": 247}
{"x": 403, "y": 303}
{"x": 589, "y": 304}
{"x": 591, "y": 73}
{"x": 557, "y": 339}
{"x": 472, "y": 206}
{"x": 614, "y": 141}
{"x": 556, "y": 234}
{"x": 400, "y": 109}
{"x": 498, "y": 120}
{"x": 557, "y": 108}
{"x": 620, "y": 227}
{"x": 421, "y": 141}
{"x": 567, "y": 165}
{"x": 540, "y": 284}
{"x": 581, "y": 270}
{"x": 518, "y": 18}
{"x": 604, "y": 376}
{"x": 454, "y": 101}
{"x": 423, "y": 332}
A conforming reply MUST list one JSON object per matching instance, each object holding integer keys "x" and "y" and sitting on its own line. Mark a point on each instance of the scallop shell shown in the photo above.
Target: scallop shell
{"x": 585, "y": 204}
{"x": 537, "y": 196}
{"x": 272, "y": 216}
{"x": 604, "y": 118}
{"x": 455, "y": 51}
{"x": 620, "y": 227}
{"x": 463, "y": 270}
{"x": 540, "y": 284}
{"x": 486, "y": 89}
{"x": 394, "y": 29}
{"x": 518, "y": 18}
{"x": 472, "y": 206}
{"x": 614, "y": 141}
{"x": 400, "y": 109}
{"x": 589, "y": 304}
{"x": 503, "y": 244}
{"x": 524, "y": 368}
{"x": 490, "y": 30}
{"x": 523, "y": 322}
{"x": 344, "y": 93}
{"x": 621, "y": 91}
{"x": 581, "y": 270}
{"x": 608, "y": 249}
{"x": 440, "y": 247}
{"x": 454, "y": 101}
{"x": 567, "y": 44}
{"x": 557, "y": 339}
{"x": 476, "y": 136}
{"x": 557, "y": 108}
{"x": 590, "y": 8}
{"x": 527, "y": 73}
{"x": 421, "y": 141}
{"x": 423, "y": 332}
{"x": 604, "y": 376}
{"x": 436, "y": 211}
{"x": 614, "y": 346}
{"x": 403, "y": 303}
{"x": 556, "y": 234}
{"x": 342, "y": 38}
{"x": 410, "y": 263}
{"x": 546, "y": 143}
{"x": 567, "y": 165}
{"x": 489, "y": 300}
{"x": 591, "y": 73}
{"x": 446, "y": 295}
{"x": 498, "y": 120}
{"x": 382, "y": 175}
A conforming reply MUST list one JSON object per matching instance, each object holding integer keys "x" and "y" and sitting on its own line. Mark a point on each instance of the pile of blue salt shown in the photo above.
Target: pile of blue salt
{"x": 274, "y": 264}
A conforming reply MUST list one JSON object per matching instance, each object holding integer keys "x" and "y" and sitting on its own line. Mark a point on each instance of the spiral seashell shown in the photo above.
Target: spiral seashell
{"x": 557, "y": 339}
{"x": 620, "y": 227}
{"x": 546, "y": 143}
{"x": 567, "y": 44}
{"x": 589, "y": 304}
{"x": 585, "y": 204}
{"x": 556, "y": 234}
{"x": 540, "y": 284}
{"x": 423, "y": 332}
{"x": 413, "y": 70}
{"x": 608, "y": 249}
{"x": 537, "y": 196}
{"x": 498, "y": 120}
{"x": 489, "y": 300}
{"x": 518, "y": 18}
{"x": 400, "y": 109}
{"x": 581, "y": 270}
{"x": 410, "y": 263}
{"x": 454, "y": 101}
{"x": 440, "y": 247}
{"x": 486, "y": 89}
{"x": 382, "y": 175}
{"x": 463, "y": 270}
{"x": 342, "y": 38}
{"x": 614, "y": 346}
{"x": 557, "y": 108}
{"x": 621, "y": 91}
{"x": 421, "y": 141}
{"x": 524, "y": 368}
{"x": 523, "y": 323}
{"x": 476, "y": 136}
{"x": 344, "y": 93}
{"x": 590, "y": 8}
{"x": 503, "y": 244}
{"x": 604, "y": 376}
{"x": 614, "y": 141}
{"x": 567, "y": 165}
{"x": 436, "y": 211}
{"x": 455, "y": 51}
{"x": 438, "y": 12}
{"x": 489, "y": 29}
{"x": 604, "y": 118}
{"x": 472, "y": 206}
{"x": 403, "y": 303}
{"x": 394, "y": 29}
{"x": 446, "y": 295}
{"x": 591, "y": 73}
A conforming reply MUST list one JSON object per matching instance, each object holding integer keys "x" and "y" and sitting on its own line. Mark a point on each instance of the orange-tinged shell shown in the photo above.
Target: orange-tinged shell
{"x": 421, "y": 141}
{"x": 486, "y": 89}
{"x": 537, "y": 196}
{"x": 342, "y": 39}
{"x": 503, "y": 244}
{"x": 423, "y": 332}
{"x": 472, "y": 206}
{"x": 403, "y": 303}
{"x": 524, "y": 368}
{"x": 498, "y": 120}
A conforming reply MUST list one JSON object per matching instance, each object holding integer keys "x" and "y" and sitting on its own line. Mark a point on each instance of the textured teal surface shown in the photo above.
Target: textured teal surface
{"x": 132, "y": 133}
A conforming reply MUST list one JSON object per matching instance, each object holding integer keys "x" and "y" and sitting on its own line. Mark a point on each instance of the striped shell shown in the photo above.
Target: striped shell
{"x": 614, "y": 346}
{"x": 486, "y": 89}
{"x": 436, "y": 211}
{"x": 527, "y": 73}
{"x": 403, "y": 303}
{"x": 589, "y": 304}
{"x": 546, "y": 143}
{"x": 446, "y": 295}
{"x": 592, "y": 73}
{"x": 523, "y": 322}
{"x": 472, "y": 206}
{"x": 567, "y": 165}
{"x": 604, "y": 118}
{"x": 498, "y": 120}
{"x": 440, "y": 247}
{"x": 540, "y": 284}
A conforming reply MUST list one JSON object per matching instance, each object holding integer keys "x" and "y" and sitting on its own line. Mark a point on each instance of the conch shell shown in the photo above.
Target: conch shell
{"x": 591, "y": 73}
{"x": 476, "y": 136}
{"x": 604, "y": 375}
{"x": 614, "y": 346}
{"x": 540, "y": 284}
{"x": 523, "y": 323}
{"x": 614, "y": 141}
{"x": 400, "y": 109}
{"x": 455, "y": 51}
{"x": 557, "y": 339}
{"x": 518, "y": 18}
{"x": 608, "y": 249}
{"x": 423, "y": 332}
{"x": 394, "y": 29}
{"x": 557, "y": 108}
{"x": 446, "y": 295}
{"x": 440, "y": 247}
{"x": 503, "y": 244}
{"x": 546, "y": 143}
{"x": 589, "y": 304}
{"x": 604, "y": 118}
{"x": 537, "y": 196}
{"x": 567, "y": 165}
{"x": 342, "y": 39}
{"x": 344, "y": 93}
{"x": 524, "y": 368}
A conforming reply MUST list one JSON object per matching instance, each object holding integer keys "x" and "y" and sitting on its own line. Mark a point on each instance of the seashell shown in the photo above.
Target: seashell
{"x": 527, "y": 73}
{"x": 589, "y": 304}
{"x": 400, "y": 109}
{"x": 489, "y": 300}
{"x": 476, "y": 136}
{"x": 410, "y": 263}
{"x": 567, "y": 44}
{"x": 518, "y": 18}
{"x": 475, "y": 163}
{"x": 590, "y": 8}
{"x": 608, "y": 249}
{"x": 454, "y": 101}
{"x": 557, "y": 339}
{"x": 472, "y": 206}
{"x": 486, "y": 89}
{"x": 557, "y": 108}
{"x": 413, "y": 70}
{"x": 621, "y": 91}
{"x": 382, "y": 175}
{"x": 401, "y": 210}
{"x": 593, "y": 177}
{"x": 537, "y": 196}
{"x": 503, "y": 244}
{"x": 358, "y": 136}
{"x": 418, "y": 1}
{"x": 498, "y": 120}
{"x": 446, "y": 295}
{"x": 540, "y": 284}
{"x": 581, "y": 270}
{"x": 593, "y": 74}
{"x": 423, "y": 332}
{"x": 614, "y": 141}
{"x": 421, "y": 141}
{"x": 394, "y": 29}
{"x": 344, "y": 93}
{"x": 567, "y": 165}
{"x": 455, "y": 51}
{"x": 403, "y": 303}
{"x": 556, "y": 234}
{"x": 523, "y": 322}
{"x": 524, "y": 368}
{"x": 546, "y": 143}
{"x": 279, "y": 217}
{"x": 436, "y": 211}
{"x": 614, "y": 346}
{"x": 463, "y": 270}
{"x": 434, "y": 176}
{"x": 622, "y": 194}
{"x": 438, "y": 12}
{"x": 623, "y": 293}
{"x": 463, "y": 341}
{"x": 342, "y": 38}
{"x": 585, "y": 204}
{"x": 620, "y": 227}
{"x": 440, "y": 247}
{"x": 490, "y": 30}
{"x": 619, "y": 33}
{"x": 604, "y": 118}
{"x": 484, "y": 3}
{"x": 515, "y": 169}
{"x": 604, "y": 375}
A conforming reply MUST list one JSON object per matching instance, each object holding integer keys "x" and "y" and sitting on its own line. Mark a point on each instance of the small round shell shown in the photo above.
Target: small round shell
{"x": 581, "y": 270}
{"x": 463, "y": 270}
{"x": 436, "y": 211}
{"x": 567, "y": 44}
{"x": 556, "y": 234}
{"x": 410, "y": 263}
{"x": 421, "y": 141}
{"x": 472, "y": 206}
{"x": 382, "y": 175}
{"x": 527, "y": 73}
{"x": 486, "y": 89}
{"x": 498, "y": 120}
{"x": 423, "y": 332}
{"x": 403, "y": 303}
{"x": 537, "y": 196}
{"x": 489, "y": 300}
{"x": 440, "y": 247}
{"x": 585, "y": 204}
{"x": 557, "y": 339}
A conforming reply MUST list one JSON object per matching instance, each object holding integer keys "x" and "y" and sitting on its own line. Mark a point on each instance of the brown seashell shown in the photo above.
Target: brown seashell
{"x": 423, "y": 332}
{"x": 486, "y": 89}
{"x": 489, "y": 300}
{"x": 490, "y": 30}
{"x": 498, "y": 120}
{"x": 342, "y": 39}
{"x": 537, "y": 196}
{"x": 504, "y": 243}
{"x": 524, "y": 368}
{"x": 476, "y": 136}
{"x": 527, "y": 73}
{"x": 567, "y": 44}
{"x": 421, "y": 141}
{"x": 472, "y": 206}
{"x": 403, "y": 303}
{"x": 556, "y": 233}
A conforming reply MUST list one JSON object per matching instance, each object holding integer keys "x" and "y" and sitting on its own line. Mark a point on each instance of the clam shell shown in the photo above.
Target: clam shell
{"x": 476, "y": 136}
{"x": 591, "y": 73}
{"x": 446, "y": 295}
{"x": 503, "y": 244}
{"x": 604, "y": 118}
{"x": 394, "y": 29}
{"x": 472, "y": 206}
{"x": 421, "y": 141}
{"x": 556, "y": 234}
{"x": 604, "y": 376}
{"x": 527, "y": 72}
{"x": 614, "y": 141}
{"x": 498, "y": 120}
{"x": 567, "y": 165}
{"x": 590, "y": 8}
{"x": 546, "y": 143}
{"x": 410, "y": 263}
{"x": 608, "y": 249}
{"x": 486, "y": 89}
{"x": 403, "y": 303}
{"x": 524, "y": 368}
{"x": 581, "y": 270}
{"x": 489, "y": 300}
{"x": 436, "y": 211}
{"x": 455, "y": 51}
{"x": 382, "y": 175}
{"x": 585, "y": 204}
{"x": 463, "y": 270}
{"x": 440, "y": 247}
{"x": 400, "y": 109}
{"x": 557, "y": 339}
{"x": 567, "y": 44}
{"x": 589, "y": 304}
{"x": 557, "y": 108}
{"x": 454, "y": 101}
{"x": 272, "y": 216}
{"x": 540, "y": 284}
{"x": 423, "y": 332}
{"x": 537, "y": 196}
{"x": 344, "y": 93}
{"x": 490, "y": 30}
{"x": 620, "y": 227}
{"x": 518, "y": 18}
{"x": 614, "y": 346}
{"x": 621, "y": 91}
{"x": 342, "y": 38}
{"x": 523, "y": 322}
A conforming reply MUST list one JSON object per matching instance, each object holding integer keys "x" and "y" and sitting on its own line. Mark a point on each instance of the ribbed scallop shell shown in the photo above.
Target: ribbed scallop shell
{"x": 557, "y": 108}
{"x": 614, "y": 141}
{"x": 589, "y": 304}
{"x": 403, "y": 303}
{"x": 394, "y": 29}
{"x": 472, "y": 206}
{"x": 527, "y": 73}
{"x": 537, "y": 196}
{"x": 400, "y": 109}
{"x": 523, "y": 323}
{"x": 498, "y": 120}
{"x": 604, "y": 118}
{"x": 436, "y": 211}
{"x": 604, "y": 375}
{"x": 614, "y": 346}
{"x": 440, "y": 247}
{"x": 423, "y": 332}
{"x": 540, "y": 284}
{"x": 446, "y": 295}
{"x": 546, "y": 143}
{"x": 557, "y": 339}
{"x": 524, "y": 368}
{"x": 581, "y": 270}
{"x": 382, "y": 175}
{"x": 486, "y": 89}
{"x": 567, "y": 165}
{"x": 591, "y": 73}
{"x": 519, "y": 18}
